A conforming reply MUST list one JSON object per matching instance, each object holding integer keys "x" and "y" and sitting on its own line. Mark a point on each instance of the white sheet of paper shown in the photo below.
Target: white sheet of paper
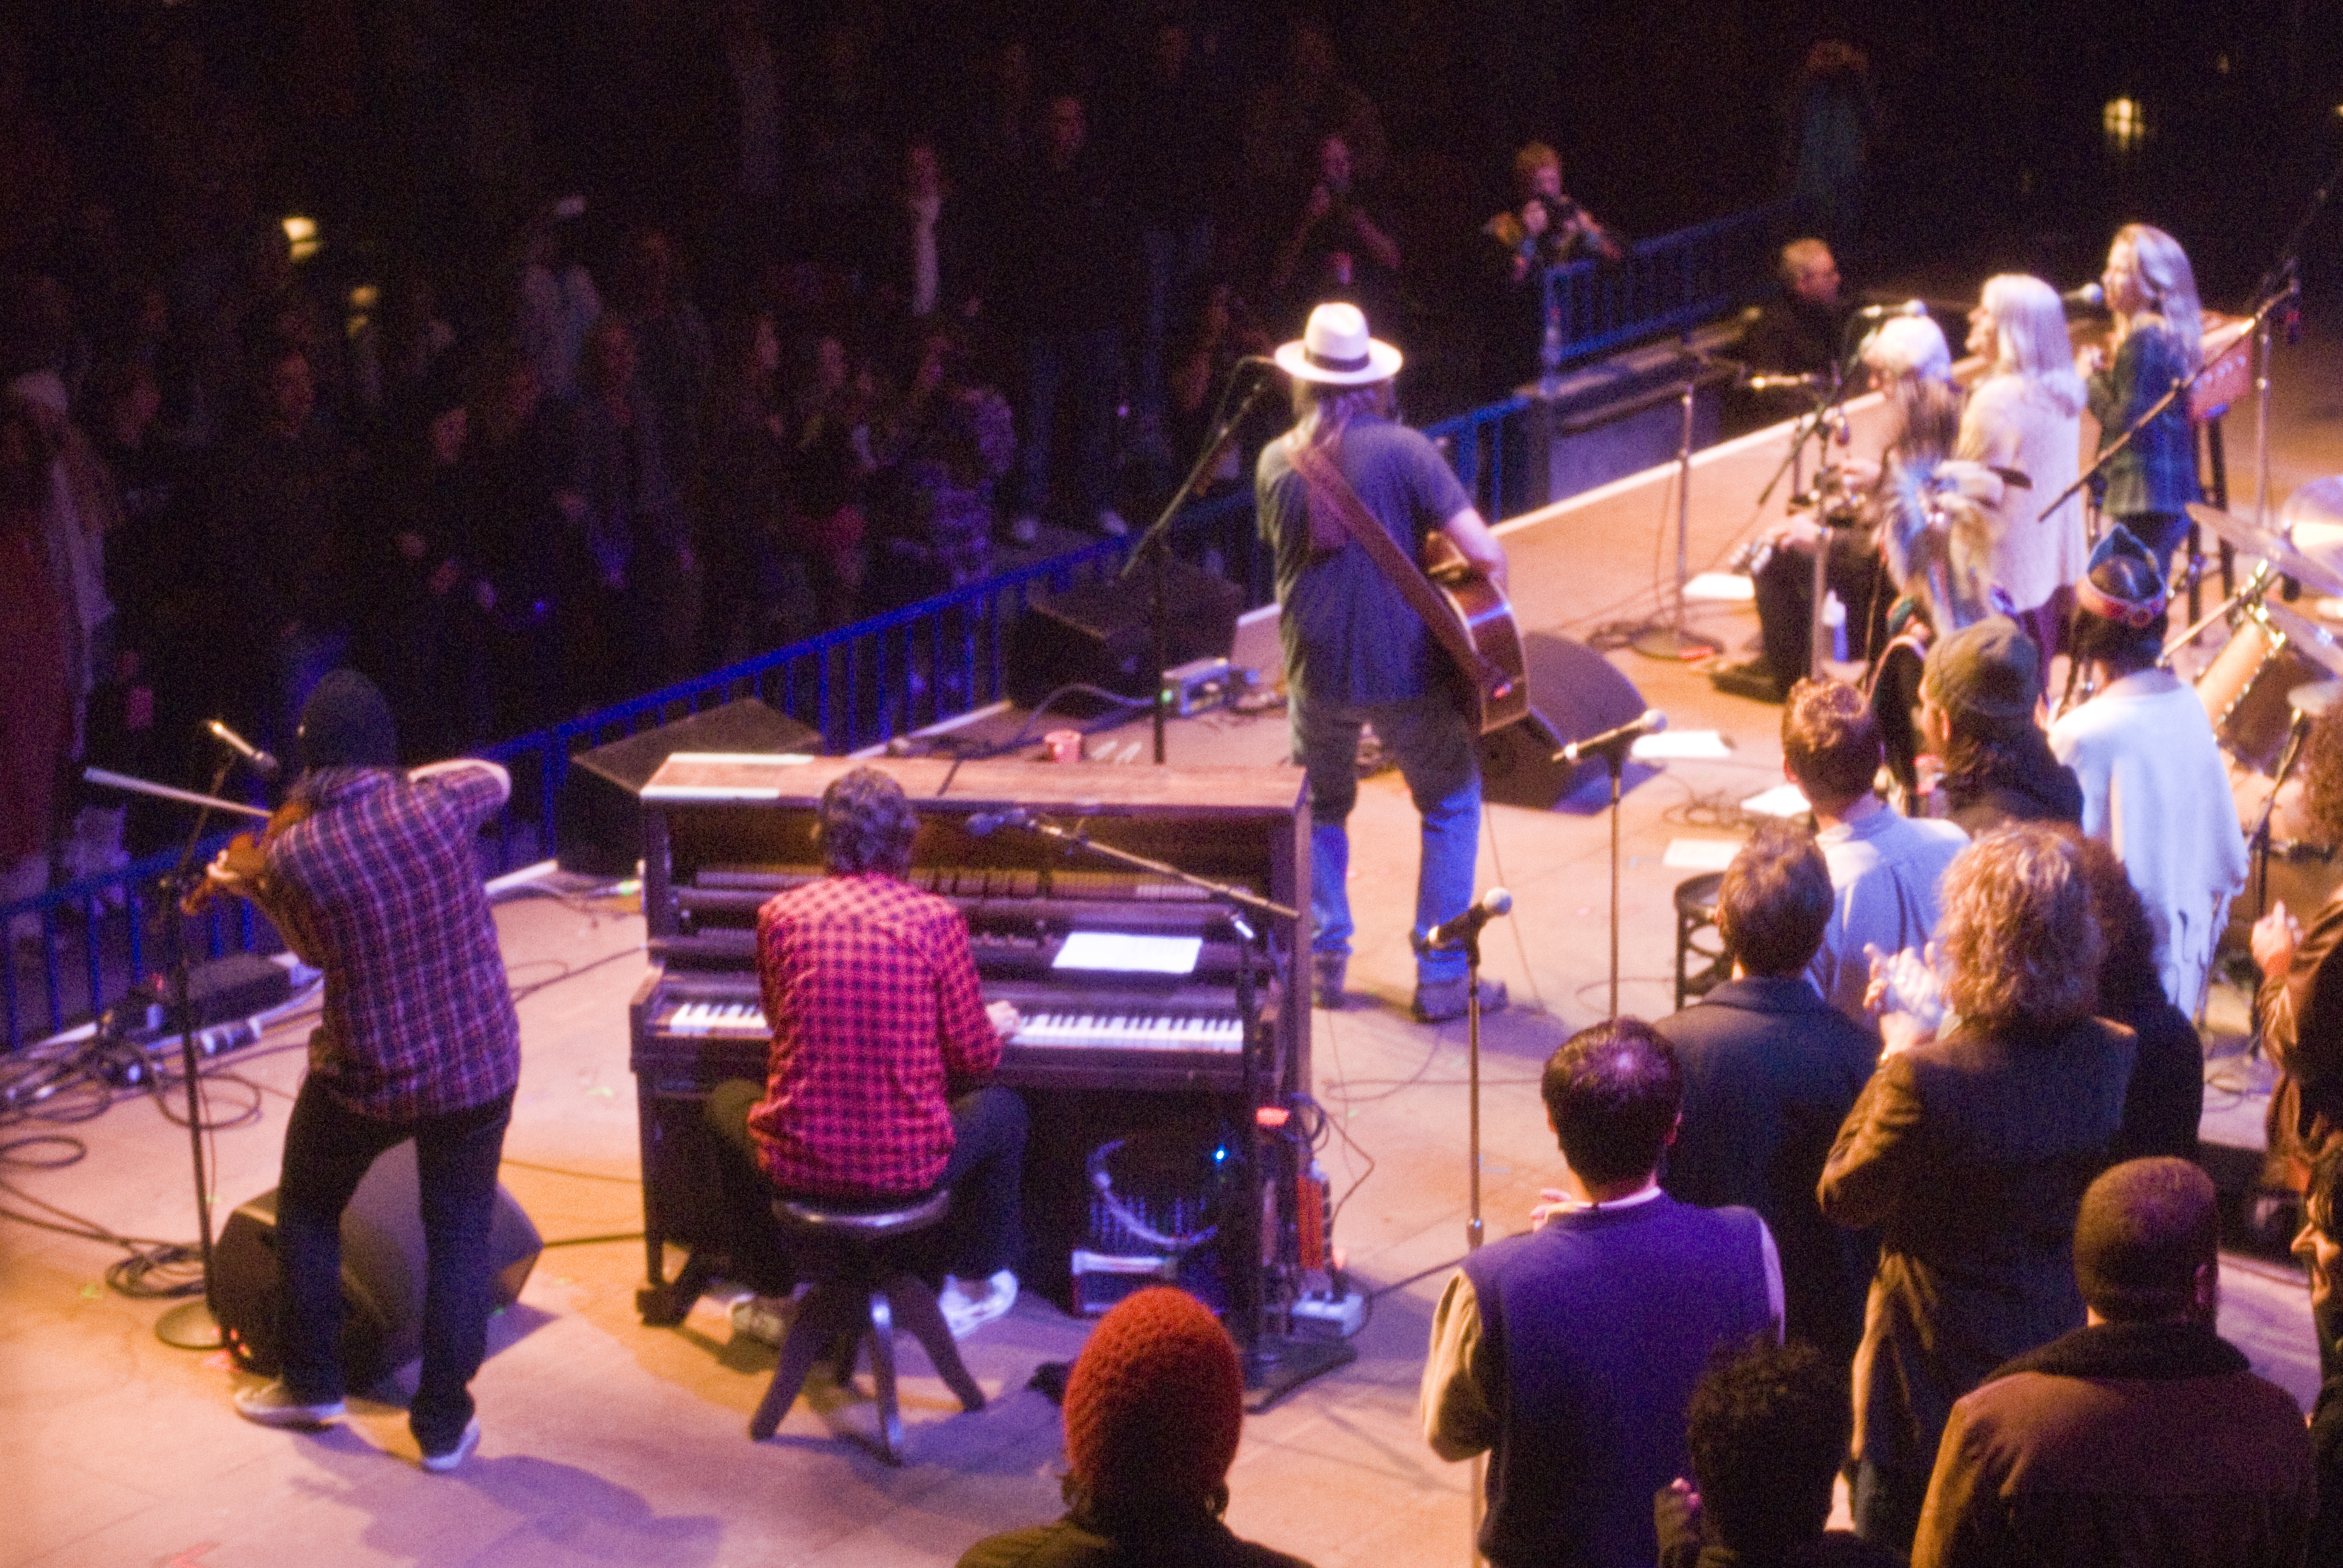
{"x": 1721, "y": 588}
{"x": 1783, "y": 799}
{"x": 1128, "y": 953}
{"x": 1688, "y": 744}
{"x": 1700, "y": 854}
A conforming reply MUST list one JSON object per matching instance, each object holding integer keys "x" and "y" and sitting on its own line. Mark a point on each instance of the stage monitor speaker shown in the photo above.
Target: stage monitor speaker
{"x": 383, "y": 1270}
{"x": 1100, "y": 634}
{"x": 1574, "y": 692}
{"x": 599, "y": 821}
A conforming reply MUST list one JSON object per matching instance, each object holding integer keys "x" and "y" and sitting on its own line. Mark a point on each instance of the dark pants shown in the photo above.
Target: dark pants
{"x": 1785, "y": 602}
{"x": 327, "y": 1152}
{"x": 984, "y": 1234}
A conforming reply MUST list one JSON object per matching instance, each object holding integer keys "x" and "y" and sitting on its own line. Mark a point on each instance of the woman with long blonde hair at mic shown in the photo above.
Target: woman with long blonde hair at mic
{"x": 2160, "y": 339}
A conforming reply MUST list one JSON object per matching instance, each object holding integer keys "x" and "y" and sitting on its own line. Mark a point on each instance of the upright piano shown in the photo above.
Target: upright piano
{"x": 1099, "y": 1053}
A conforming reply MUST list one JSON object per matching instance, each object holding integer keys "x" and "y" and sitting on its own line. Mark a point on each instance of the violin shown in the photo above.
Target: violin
{"x": 245, "y": 859}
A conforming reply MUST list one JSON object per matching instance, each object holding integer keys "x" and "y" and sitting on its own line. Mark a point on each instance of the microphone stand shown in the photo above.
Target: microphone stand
{"x": 1276, "y": 1364}
{"x": 1154, "y": 548}
{"x": 1674, "y": 640}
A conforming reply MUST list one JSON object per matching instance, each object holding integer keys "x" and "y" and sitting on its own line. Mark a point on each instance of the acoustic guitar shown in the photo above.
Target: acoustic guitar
{"x": 1480, "y": 637}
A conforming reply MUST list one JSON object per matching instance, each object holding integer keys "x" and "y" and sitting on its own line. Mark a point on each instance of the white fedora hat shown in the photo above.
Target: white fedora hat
{"x": 1334, "y": 349}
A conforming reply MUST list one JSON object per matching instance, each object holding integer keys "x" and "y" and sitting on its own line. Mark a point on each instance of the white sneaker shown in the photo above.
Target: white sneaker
{"x": 446, "y": 1460}
{"x": 765, "y": 1318}
{"x": 274, "y": 1404}
{"x": 965, "y": 1312}
{"x": 1026, "y": 529}
{"x": 1110, "y": 524}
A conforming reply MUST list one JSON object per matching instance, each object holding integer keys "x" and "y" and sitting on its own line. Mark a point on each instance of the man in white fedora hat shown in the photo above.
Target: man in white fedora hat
{"x": 1357, "y": 653}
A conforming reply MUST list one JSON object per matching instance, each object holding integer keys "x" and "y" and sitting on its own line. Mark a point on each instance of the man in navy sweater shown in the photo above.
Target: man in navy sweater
{"x": 1567, "y": 1355}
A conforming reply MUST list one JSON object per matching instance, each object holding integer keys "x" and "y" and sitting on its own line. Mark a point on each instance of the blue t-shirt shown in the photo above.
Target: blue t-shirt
{"x": 1349, "y": 635}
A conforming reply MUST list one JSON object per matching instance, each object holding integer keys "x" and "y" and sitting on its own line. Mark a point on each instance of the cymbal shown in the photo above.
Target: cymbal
{"x": 2253, "y": 541}
{"x": 2315, "y": 643}
{"x": 2320, "y": 501}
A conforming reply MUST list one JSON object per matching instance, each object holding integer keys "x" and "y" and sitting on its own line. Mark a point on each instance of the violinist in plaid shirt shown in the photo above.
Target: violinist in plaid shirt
{"x": 880, "y": 1039}
{"x": 376, "y": 884}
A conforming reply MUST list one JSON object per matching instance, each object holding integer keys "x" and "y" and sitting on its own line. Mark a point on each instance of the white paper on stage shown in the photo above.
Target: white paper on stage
{"x": 1783, "y": 799}
{"x": 1128, "y": 952}
{"x": 1688, "y": 745}
{"x": 1721, "y": 588}
{"x": 1700, "y": 854}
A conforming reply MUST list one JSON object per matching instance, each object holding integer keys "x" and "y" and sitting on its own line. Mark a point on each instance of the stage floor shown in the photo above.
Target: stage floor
{"x": 610, "y": 1441}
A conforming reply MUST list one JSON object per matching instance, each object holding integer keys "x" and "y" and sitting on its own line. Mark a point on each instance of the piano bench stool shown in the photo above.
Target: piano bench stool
{"x": 863, "y": 1287}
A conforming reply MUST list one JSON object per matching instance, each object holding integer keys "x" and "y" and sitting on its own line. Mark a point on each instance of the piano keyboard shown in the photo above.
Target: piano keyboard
{"x": 1061, "y": 1029}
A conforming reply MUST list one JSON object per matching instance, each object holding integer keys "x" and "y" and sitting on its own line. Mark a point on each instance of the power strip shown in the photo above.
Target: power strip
{"x": 1330, "y": 1317}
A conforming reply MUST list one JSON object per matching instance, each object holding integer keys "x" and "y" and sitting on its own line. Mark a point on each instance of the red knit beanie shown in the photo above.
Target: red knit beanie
{"x": 1156, "y": 1403}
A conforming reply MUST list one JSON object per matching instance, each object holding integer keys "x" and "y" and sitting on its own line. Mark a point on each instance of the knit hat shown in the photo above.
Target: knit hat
{"x": 1156, "y": 1403}
{"x": 345, "y": 723}
{"x": 1991, "y": 670}
{"x": 2107, "y": 603}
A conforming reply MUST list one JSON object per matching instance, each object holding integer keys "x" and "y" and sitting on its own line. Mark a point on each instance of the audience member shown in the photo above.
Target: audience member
{"x": 920, "y": 263}
{"x": 531, "y": 547}
{"x": 673, "y": 353}
{"x": 1292, "y": 113}
{"x": 1068, "y": 251}
{"x": 2301, "y": 1004}
{"x": 2142, "y": 1436}
{"x": 1766, "y": 1429}
{"x": 2154, "y": 785}
{"x": 2166, "y": 1098}
{"x": 1175, "y": 141}
{"x": 950, "y": 442}
{"x": 755, "y": 579}
{"x": 1884, "y": 867}
{"x": 1979, "y": 692}
{"x": 1568, "y": 1355}
{"x": 1770, "y": 1071}
{"x": 37, "y": 700}
{"x": 1545, "y": 229}
{"x": 555, "y": 300}
{"x": 1337, "y": 247}
{"x": 627, "y": 627}
{"x": 1970, "y": 1154}
{"x": 1153, "y": 1413}
{"x": 827, "y": 417}
{"x": 430, "y": 599}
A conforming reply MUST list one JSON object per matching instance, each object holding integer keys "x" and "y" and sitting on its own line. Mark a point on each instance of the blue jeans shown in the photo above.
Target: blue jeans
{"x": 1432, "y": 744}
{"x": 328, "y": 1149}
{"x": 1082, "y": 368}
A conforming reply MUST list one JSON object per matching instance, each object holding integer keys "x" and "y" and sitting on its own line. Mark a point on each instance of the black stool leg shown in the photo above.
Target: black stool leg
{"x": 915, "y": 1306}
{"x": 827, "y": 1312}
{"x": 882, "y": 1373}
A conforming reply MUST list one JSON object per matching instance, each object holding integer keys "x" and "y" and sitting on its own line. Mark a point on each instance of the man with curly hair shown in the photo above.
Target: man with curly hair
{"x": 881, "y": 1039}
{"x": 1969, "y": 1154}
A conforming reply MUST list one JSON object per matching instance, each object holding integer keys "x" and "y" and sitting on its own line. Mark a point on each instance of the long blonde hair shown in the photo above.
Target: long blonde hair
{"x": 2029, "y": 328}
{"x": 2170, "y": 282}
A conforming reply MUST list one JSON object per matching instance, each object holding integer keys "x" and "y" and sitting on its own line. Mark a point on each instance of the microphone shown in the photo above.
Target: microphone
{"x": 1909, "y": 307}
{"x": 1651, "y": 721}
{"x": 259, "y": 761}
{"x": 1486, "y": 907}
{"x": 2090, "y": 297}
{"x": 1780, "y": 383}
{"x": 984, "y": 822}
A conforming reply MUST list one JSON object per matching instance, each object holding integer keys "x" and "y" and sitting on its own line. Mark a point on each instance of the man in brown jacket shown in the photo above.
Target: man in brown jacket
{"x": 2141, "y": 1437}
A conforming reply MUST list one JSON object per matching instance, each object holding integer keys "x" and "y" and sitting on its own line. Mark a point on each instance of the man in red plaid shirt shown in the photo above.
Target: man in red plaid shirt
{"x": 880, "y": 1037}
{"x": 378, "y": 887}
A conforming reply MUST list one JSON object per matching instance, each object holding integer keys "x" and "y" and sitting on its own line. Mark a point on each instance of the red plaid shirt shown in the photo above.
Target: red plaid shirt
{"x": 874, "y": 1002}
{"x": 379, "y": 889}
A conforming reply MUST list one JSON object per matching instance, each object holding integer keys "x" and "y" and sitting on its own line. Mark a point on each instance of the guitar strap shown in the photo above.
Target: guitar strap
{"x": 1331, "y": 496}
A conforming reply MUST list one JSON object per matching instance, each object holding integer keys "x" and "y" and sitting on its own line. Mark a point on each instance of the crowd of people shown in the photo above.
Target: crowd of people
{"x": 561, "y": 412}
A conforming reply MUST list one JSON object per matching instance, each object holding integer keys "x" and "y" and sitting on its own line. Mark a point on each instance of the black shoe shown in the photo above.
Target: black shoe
{"x": 1327, "y": 971}
{"x": 1752, "y": 679}
{"x": 1443, "y": 1001}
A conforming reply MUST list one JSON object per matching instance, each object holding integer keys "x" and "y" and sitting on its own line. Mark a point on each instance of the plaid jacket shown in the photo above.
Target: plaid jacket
{"x": 875, "y": 1006}
{"x": 2158, "y": 472}
{"x": 379, "y": 889}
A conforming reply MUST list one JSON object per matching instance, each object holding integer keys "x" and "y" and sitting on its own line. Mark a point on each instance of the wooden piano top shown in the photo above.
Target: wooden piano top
{"x": 1070, "y": 789}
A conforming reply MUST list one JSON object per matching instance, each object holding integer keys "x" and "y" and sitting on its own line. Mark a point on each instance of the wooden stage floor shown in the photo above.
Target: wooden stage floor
{"x": 608, "y": 1441}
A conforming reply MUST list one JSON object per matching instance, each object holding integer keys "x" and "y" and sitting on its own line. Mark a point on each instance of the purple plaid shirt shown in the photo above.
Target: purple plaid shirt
{"x": 378, "y": 888}
{"x": 875, "y": 1005}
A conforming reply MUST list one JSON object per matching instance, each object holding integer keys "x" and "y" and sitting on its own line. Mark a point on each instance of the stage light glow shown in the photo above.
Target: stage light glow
{"x": 2125, "y": 123}
{"x": 301, "y": 236}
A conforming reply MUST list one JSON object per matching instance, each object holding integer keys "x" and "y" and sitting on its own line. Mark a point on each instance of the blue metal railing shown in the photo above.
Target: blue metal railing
{"x": 864, "y": 684}
{"x": 1661, "y": 285}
